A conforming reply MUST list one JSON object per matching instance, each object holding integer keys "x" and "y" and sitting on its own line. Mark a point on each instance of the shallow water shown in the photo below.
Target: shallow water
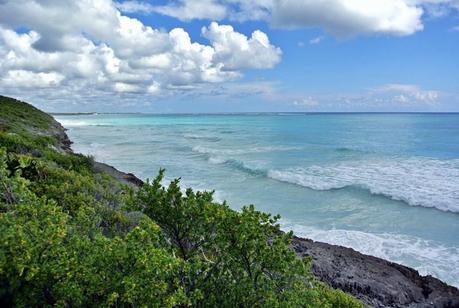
{"x": 383, "y": 184}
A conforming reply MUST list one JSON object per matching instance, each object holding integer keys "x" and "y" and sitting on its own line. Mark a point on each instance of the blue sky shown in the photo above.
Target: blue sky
{"x": 324, "y": 55}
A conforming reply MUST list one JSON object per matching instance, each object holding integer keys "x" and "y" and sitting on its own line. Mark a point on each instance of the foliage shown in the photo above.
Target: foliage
{"x": 241, "y": 255}
{"x": 72, "y": 237}
{"x": 17, "y": 115}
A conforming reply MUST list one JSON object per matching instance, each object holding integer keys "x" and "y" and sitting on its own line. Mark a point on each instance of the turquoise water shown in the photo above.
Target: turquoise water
{"x": 383, "y": 184}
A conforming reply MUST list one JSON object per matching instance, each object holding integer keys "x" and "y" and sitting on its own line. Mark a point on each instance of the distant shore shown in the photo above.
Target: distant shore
{"x": 375, "y": 281}
{"x": 87, "y": 113}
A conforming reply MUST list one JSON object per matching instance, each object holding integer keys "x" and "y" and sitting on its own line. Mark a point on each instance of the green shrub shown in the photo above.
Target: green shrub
{"x": 72, "y": 237}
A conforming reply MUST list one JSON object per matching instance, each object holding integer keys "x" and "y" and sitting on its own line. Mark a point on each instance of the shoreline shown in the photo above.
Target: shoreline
{"x": 375, "y": 281}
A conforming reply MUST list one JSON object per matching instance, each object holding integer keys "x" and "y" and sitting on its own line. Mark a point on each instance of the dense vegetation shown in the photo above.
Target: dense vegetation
{"x": 70, "y": 236}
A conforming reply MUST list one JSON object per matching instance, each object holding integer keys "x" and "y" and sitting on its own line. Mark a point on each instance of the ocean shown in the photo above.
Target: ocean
{"x": 384, "y": 184}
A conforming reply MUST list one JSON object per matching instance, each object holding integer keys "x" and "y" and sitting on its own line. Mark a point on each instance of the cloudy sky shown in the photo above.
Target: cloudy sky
{"x": 231, "y": 55}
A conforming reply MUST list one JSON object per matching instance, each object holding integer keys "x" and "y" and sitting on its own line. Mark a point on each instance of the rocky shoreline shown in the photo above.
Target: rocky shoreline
{"x": 375, "y": 281}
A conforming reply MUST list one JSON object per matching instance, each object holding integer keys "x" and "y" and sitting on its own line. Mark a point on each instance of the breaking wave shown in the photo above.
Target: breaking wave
{"x": 247, "y": 150}
{"x": 416, "y": 181}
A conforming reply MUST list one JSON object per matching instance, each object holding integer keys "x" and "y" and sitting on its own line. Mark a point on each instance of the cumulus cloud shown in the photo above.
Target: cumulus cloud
{"x": 342, "y": 18}
{"x": 346, "y": 18}
{"x": 89, "y": 46}
{"x": 236, "y": 50}
{"x": 32, "y": 80}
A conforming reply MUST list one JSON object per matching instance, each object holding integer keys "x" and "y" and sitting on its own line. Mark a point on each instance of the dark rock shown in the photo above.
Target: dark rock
{"x": 376, "y": 282}
{"x": 58, "y": 131}
{"x": 126, "y": 178}
{"x": 133, "y": 179}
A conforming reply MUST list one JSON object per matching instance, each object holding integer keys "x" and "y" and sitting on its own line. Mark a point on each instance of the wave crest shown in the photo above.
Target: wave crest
{"x": 248, "y": 150}
{"x": 239, "y": 165}
{"x": 72, "y": 123}
{"x": 418, "y": 182}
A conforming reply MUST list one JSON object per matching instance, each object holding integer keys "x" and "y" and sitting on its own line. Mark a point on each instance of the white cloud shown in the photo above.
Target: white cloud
{"x": 316, "y": 40}
{"x": 88, "y": 46}
{"x": 243, "y": 10}
{"x": 308, "y": 101}
{"x": 31, "y": 79}
{"x": 154, "y": 88}
{"x": 188, "y": 10}
{"x": 386, "y": 97}
{"x": 184, "y": 10}
{"x": 437, "y": 8}
{"x": 342, "y": 18}
{"x": 347, "y": 18}
{"x": 132, "y": 6}
{"x": 236, "y": 50}
{"x": 409, "y": 94}
{"x": 125, "y": 87}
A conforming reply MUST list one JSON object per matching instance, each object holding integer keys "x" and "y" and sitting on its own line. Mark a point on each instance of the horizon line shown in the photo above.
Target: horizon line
{"x": 251, "y": 113}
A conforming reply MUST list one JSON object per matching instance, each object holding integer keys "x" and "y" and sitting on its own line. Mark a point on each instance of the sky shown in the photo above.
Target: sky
{"x": 199, "y": 56}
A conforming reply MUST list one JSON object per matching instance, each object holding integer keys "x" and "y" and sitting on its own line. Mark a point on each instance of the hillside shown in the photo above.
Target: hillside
{"x": 72, "y": 234}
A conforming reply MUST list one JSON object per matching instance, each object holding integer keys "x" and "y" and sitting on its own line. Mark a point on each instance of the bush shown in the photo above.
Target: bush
{"x": 186, "y": 250}
{"x": 72, "y": 237}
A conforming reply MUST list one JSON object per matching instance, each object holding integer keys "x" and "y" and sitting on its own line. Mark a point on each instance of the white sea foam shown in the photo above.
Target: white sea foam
{"x": 416, "y": 181}
{"x": 218, "y": 196}
{"x": 428, "y": 257}
{"x": 246, "y": 150}
{"x": 78, "y": 122}
{"x": 71, "y": 123}
{"x": 217, "y": 160}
